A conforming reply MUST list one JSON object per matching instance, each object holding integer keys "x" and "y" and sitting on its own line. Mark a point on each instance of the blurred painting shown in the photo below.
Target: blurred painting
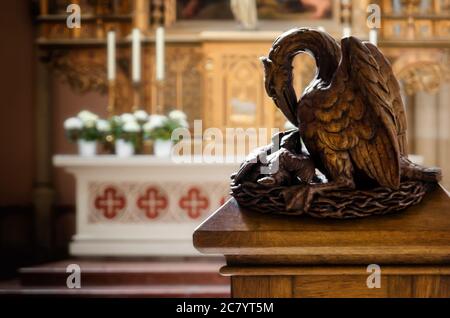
{"x": 294, "y": 9}
{"x": 267, "y": 9}
{"x": 204, "y": 10}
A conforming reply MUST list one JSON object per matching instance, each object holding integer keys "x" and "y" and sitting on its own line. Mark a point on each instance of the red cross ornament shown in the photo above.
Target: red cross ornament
{"x": 152, "y": 202}
{"x": 194, "y": 203}
{"x": 110, "y": 203}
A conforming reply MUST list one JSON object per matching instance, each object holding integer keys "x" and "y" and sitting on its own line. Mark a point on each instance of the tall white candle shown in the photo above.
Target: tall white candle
{"x": 111, "y": 55}
{"x": 136, "y": 55}
{"x": 373, "y": 36}
{"x": 159, "y": 53}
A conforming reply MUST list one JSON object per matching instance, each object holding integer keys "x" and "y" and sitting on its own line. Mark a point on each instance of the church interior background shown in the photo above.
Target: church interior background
{"x": 136, "y": 213}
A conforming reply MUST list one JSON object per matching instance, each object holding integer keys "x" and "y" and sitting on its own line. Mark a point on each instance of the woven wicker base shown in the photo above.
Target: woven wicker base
{"x": 342, "y": 204}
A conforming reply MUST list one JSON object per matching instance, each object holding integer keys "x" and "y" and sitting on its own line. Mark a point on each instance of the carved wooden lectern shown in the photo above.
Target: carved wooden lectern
{"x": 277, "y": 256}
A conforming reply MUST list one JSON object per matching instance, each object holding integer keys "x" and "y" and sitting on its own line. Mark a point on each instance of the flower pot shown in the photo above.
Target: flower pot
{"x": 162, "y": 148}
{"x": 87, "y": 148}
{"x": 124, "y": 148}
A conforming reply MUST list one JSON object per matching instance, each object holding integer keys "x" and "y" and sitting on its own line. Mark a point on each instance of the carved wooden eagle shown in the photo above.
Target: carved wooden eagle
{"x": 351, "y": 116}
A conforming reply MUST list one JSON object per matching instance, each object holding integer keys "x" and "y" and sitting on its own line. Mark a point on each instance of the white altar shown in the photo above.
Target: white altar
{"x": 142, "y": 205}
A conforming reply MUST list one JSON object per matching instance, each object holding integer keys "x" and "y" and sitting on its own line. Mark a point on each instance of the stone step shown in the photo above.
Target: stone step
{"x": 127, "y": 273}
{"x": 129, "y": 291}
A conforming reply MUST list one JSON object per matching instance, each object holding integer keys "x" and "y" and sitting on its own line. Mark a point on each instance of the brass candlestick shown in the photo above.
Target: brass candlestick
{"x": 111, "y": 97}
{"x": 160, "y": 85}
{"x": 137, "y": 90}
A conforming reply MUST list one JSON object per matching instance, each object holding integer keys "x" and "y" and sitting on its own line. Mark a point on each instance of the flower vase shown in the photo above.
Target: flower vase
{"x": 87, "y": 148}
{"x": 162, "y": 148}
{"x": 124, "y": 148}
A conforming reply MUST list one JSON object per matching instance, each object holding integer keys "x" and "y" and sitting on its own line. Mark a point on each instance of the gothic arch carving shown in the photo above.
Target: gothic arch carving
{"x": 422, "y": 70}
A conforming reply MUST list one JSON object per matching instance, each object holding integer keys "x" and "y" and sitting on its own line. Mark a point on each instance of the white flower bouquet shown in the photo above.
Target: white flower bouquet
{"x": 127, "y": 130}
{"x": 160, "y": 127}
{"x": 86, "y": 129}
{"x": 141, "y": 116}
{"x": 85, "y": 126}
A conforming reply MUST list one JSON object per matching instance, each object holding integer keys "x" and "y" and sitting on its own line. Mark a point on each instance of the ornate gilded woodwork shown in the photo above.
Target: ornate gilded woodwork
{"x": 243, "y": 91}
{"x": 420, "y": 69}
{"x": 99, "y": 16}
{"x": 415, "y": 20}
{"x": 83, "y": 70}
{"x": 228, "y": 81}
{"x": 183, "y": 88}
{"x": 233, "y": 83}
{"x": 234, "y": 88}
{"x": 422, "y": 76}
{"x": 220, "y": 81}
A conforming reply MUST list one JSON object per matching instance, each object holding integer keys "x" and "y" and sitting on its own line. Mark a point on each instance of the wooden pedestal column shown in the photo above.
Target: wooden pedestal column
{"x": 283, "y": 256}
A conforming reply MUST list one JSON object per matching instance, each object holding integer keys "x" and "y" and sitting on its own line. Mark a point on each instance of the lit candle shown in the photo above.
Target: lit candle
{"x": 136, "y": 55}
{"x": 346, "y": 31}
{"x": 111, "y": 55}
{"x": 159, "y": 53}
{"x": 373, "y": 36}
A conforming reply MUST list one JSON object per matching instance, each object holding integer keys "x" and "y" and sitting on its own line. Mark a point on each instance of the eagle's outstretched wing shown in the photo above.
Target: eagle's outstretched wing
{"x": 395, "y": 99}
{"x": 355, "y": 119}
{"x": 377, "y": 151}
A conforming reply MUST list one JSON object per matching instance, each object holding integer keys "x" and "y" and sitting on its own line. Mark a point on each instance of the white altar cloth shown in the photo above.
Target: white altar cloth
{"x": 142, "y": 205}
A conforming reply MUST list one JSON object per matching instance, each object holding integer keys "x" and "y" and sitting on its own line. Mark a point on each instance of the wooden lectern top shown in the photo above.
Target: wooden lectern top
{"x": 418, "y": 235}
